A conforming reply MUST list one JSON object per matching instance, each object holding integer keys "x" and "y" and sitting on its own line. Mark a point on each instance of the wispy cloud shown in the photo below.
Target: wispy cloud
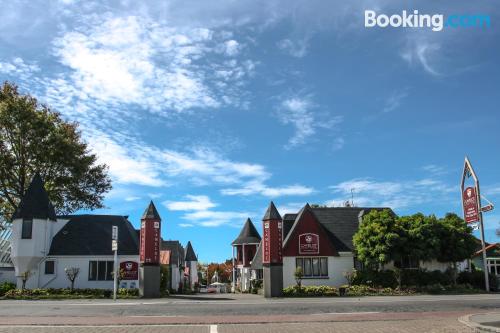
{"x": 393, "y": 102}
{"x": 296, "y": 48}
{"x": 396, "y": 195}
{"x": 422, "y": 52}
{"x": 193, "y": 202}
{"x": 298, "y": 111}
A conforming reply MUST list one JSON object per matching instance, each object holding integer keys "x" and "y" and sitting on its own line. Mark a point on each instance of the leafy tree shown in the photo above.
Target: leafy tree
{"x": 33, "y": 138}
{"x": 376, "y": 238}
{"x": 456, "y": 241}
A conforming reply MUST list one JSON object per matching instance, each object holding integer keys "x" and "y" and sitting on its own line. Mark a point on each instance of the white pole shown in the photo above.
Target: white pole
{"x": 483, "y": 244}
{"x": 234, "y": 275}
{"x": 115, "y": 279}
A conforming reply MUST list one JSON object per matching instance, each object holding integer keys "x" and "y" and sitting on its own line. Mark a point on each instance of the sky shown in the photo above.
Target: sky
{"x": 214, "y": 108}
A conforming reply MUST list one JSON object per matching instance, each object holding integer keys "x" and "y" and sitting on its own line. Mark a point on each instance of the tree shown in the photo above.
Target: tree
{"x": 456, "y": 241}
{"x": 376, "y": 238}
{"x": 33, "y": 138}
{"x": 298, "y": 274}
{"x": 24, "y": 278}
{"x": 72, "y": 274}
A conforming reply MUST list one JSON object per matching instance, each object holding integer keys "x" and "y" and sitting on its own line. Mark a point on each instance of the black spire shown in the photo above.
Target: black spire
{"x": 248, "y": 234}
{"x": 35, "y": 203}
{"x": 271, "y": 213}
{"x": 190, "y": 255}
{"x": 151, "y": 212}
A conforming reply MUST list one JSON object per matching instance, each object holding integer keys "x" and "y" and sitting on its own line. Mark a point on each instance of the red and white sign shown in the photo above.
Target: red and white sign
{"x": 308, "y": 243}
{"x": 150, "y": 242}
{"x": 130, "y": 270}
{"x": 272, "y": 245}
{"x": 470, "y": 204}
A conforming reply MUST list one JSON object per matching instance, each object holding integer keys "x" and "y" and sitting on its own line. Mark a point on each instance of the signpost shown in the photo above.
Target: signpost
{"x": 473, "y": 212}
{"x": 114, "y": 248}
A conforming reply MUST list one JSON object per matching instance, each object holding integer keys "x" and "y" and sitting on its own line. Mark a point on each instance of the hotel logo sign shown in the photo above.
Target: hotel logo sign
{"x": 130, "y": 270}
{"x": 308, "y": 243}
{"x": 470, "y": 204}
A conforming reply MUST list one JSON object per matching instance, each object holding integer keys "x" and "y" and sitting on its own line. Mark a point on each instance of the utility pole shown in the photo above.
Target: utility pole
{"x": 114, "y": 247}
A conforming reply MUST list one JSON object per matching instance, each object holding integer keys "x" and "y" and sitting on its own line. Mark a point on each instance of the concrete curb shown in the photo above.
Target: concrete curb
{"x": 466, "y": 320}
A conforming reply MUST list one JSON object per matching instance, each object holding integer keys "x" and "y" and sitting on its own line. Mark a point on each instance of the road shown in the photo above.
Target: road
{"x": 247, "y": 313}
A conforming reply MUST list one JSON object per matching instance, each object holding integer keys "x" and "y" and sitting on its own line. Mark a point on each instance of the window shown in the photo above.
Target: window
{"x": 49, "y": 267}
{"x": 27, "y": 228}
{"x": 494, "y": 266}
{"x": 101, "y": 270}
{"x": 313, "y": 266}
{"x": 407, "y": 262}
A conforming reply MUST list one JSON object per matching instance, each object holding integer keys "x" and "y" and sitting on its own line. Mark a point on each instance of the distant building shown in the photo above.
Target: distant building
{"x": 244, "y": 249}
{"x": 44, "y": 244}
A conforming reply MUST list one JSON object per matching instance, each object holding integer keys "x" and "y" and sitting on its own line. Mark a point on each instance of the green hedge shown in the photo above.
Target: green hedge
{"x": 67, "y": 293}
{"x": 409, "y": 278}
{"x": 5, "y": 287}
{"x": 307, "y": 291}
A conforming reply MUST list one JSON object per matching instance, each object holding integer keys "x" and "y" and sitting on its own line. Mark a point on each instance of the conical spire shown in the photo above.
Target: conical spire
{"x": 35, "y": 203}
{"x": 190, "y": 255}
{"x": 151, "y": 212}
{"x": 248, "y": 234}
{"x": 271, "y": 213}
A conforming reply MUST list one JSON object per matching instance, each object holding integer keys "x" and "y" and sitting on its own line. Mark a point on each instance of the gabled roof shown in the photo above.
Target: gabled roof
{"x": 487, "y": 248}
{"x": 91, "y": 235}
{"x": 271, "y": 213}
{"x": 190, "y": 255}
{"x": 35, "y": 203}
{"x": 151, "y": 212}
{"x": 248, "y": 234}
{"x": 176, "y": 251}
{"x": 257, "y": 258}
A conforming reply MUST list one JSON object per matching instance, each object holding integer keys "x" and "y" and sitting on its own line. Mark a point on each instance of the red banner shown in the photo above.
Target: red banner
{"x": 150, "y": 242}
{"x": 470, "y": 204}
{"x": 130, "y": 270}
{"x": 272, "y": 245}
{"x": 308, "y": 244}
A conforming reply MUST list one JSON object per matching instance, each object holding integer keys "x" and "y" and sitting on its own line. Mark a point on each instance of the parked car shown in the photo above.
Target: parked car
{"x": 203, "y": 289}
{"x": 217, "y": 288}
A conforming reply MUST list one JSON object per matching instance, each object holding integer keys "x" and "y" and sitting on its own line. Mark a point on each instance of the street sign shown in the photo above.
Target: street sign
{"x": 114, "y": 245}
{"x": 114, "y": 233}
{"x": 487, "y": 208}
{"x": 471, "y": 204}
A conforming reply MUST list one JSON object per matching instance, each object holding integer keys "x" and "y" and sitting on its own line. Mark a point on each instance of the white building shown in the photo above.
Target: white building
{"x": 43, "y": 245}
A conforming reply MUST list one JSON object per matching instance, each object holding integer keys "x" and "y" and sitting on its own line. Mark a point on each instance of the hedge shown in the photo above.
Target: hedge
{"x": 67, "y": 293}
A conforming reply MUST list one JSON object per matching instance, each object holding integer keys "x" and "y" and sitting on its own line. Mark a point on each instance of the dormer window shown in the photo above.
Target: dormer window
{"x": 27, "y": 228}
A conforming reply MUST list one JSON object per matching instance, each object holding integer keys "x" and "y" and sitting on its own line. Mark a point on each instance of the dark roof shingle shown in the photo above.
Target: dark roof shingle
{"x": 35, "y": 203}
{"x": 248, "y": 234}
{"x": 91, "y": 235}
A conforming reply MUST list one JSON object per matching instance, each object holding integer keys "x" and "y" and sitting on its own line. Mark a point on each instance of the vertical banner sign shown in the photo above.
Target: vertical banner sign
{"x": 150, "y": 242}
{"x": 267, "y": 244}
{"x": 470, "y": 205}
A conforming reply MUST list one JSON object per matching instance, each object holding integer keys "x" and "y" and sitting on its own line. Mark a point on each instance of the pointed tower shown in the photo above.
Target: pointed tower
{"x": 244, "y": 248}
{"x": 272, "y": 252}
{"x": 191, "y": 263}
{"x": 149, "y": 272}
{"x": 32, "y": 227}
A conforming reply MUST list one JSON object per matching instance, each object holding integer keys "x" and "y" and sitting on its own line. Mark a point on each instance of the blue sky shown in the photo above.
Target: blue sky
{"x": 212, "y": 109}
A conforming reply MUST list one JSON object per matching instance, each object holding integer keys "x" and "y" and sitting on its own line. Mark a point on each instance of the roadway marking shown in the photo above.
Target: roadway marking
{"x": 213, "y": 329}
{"x": 344, "y": 313}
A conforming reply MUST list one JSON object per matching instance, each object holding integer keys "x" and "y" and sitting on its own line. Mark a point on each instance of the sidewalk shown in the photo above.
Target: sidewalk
{"x": 483, "y": 322}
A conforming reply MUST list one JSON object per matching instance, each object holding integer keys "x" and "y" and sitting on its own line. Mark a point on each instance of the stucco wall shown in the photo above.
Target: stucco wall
{"x": 59, "y": 280}
{"x": 336, "y": 267}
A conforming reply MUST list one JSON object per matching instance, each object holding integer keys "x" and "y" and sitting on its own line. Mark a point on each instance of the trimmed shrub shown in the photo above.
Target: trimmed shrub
{"x": 309, "y": 291}
{"x": 476, "y": 279}
{"x": 5, "y": 287}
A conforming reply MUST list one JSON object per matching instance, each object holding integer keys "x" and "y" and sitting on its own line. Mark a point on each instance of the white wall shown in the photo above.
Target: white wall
{"x": 59, "y": 280}
{"x": 336, "y": 267}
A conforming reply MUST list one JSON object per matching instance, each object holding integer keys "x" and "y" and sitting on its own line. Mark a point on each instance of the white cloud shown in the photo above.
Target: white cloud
{"x": 252, "y": 188}
{"x": 297, "y": 111}
{"x": 193, "y": 202}
{"x": 186, "y": 225}
{"x": 434, "y": 169}
{"x": 132, "y": 198}
{"x": 393, "y": 102}
{"x": 422, "y": 52}
{"x": 396, "y": 195}
{"x": 232, "y": 47}
{"x": 134, "y": 60}
{"x": 208, "y": 218}
{"x": 338, "y": 143}
{"x": 296, "y": 48}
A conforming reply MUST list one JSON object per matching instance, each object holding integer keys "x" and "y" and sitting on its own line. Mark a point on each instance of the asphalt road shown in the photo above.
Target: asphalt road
{"x": 248, "y": 305}
{"x": 246, "y": 313}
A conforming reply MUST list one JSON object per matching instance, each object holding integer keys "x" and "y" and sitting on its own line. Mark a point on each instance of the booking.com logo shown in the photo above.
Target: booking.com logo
{"x": 437, "y": 22}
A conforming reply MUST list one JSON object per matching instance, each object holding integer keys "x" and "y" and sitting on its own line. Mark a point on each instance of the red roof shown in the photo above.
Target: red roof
{"x": 165, "y": 257}
{"x": 487, "y": 248}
